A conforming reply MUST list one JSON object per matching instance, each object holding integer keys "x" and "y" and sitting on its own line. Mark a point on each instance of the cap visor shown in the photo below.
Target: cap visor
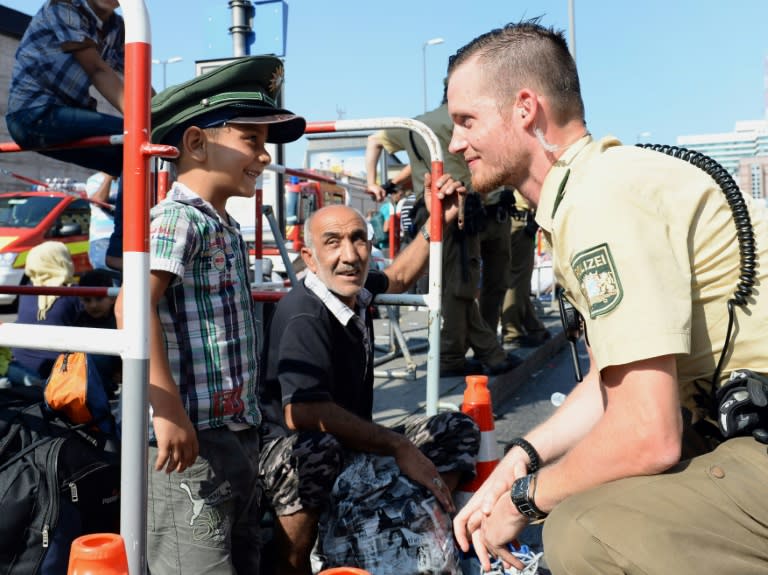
{"x": 284, "y": 126}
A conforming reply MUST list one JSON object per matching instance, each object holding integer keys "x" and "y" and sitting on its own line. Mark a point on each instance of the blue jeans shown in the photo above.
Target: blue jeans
{"x": 97, "y": 249}
{"x": 43, "y": 126}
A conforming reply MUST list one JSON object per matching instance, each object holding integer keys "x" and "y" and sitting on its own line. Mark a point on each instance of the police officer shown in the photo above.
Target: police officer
{"x": 495, "y": 254}
{"x": 463, "y": 327}
{"x": 632, "y": 470}
{"x": 520, "y": 325}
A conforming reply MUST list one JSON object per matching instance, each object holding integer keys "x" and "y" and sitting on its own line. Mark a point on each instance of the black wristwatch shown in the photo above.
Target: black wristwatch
{"x": 523, "y": 493}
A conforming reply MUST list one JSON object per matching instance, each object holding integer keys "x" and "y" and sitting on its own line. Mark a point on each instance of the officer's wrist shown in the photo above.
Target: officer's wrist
{"x": 425, "y": 232}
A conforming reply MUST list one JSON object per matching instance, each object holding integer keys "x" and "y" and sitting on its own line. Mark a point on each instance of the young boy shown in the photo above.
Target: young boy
{"x": 203, "y": 460}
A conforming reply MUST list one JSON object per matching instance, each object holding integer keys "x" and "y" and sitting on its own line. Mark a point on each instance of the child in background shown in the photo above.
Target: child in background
{"x": 99, "y": 312}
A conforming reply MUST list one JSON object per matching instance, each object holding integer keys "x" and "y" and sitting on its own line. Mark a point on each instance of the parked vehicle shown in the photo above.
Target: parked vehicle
{"x": 31, "y": 217}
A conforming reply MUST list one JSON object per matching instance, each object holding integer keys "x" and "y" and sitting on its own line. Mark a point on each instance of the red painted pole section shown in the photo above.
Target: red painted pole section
{"x": 436, "y": 207}
{"x": 136, "y": 173}
{"x": 318, "y": 127}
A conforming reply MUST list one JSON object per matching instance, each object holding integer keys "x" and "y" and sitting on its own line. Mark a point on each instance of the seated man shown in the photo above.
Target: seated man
{"x": 317, "y": 395}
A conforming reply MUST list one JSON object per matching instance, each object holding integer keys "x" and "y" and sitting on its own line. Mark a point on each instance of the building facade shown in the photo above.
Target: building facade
{"x": 743, "y": 152}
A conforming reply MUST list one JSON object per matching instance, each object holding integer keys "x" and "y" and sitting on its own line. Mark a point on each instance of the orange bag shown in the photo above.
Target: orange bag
{"x": 74, "y": 389}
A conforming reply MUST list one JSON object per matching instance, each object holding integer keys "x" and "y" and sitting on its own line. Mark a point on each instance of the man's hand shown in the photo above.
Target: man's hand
{"x": 417, "y": 466}
{"x": 448, "y": 190}
{"x": 500, "y": 528}
{"x": 470, "y": 519}
{"x": 177, "y": 446}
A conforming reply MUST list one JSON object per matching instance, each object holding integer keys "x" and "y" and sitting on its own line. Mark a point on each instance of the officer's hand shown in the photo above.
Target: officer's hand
{"x": 449, "y": 191}
{"x": 376, "y": 191}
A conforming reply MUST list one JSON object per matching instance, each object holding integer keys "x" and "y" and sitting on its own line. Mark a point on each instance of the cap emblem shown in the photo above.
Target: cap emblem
{"x": 276, "y": 82}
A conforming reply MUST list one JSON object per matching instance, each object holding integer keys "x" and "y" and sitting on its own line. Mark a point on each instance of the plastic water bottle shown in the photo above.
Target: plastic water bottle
{"x": 557, "y": 399}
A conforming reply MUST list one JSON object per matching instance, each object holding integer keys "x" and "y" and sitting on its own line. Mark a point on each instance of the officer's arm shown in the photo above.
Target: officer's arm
{"x": 411, "y": 262}
{"x": 639, "y": 433}
{"x": 373, "y": 151}
{"x": 403, "y": 178}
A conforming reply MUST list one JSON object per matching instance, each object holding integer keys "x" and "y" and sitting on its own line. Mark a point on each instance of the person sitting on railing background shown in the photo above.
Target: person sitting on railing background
{"x": 68, "y": 48}
{"x": 48, "y": 264}
{"x": 520, "y": 324}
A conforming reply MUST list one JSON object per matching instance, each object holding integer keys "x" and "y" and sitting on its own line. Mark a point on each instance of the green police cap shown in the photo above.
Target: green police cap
{"x": 240, "y": 92}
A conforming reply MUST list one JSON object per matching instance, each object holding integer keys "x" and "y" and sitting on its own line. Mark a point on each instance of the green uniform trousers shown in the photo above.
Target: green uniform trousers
{"x": 518, "y": 316}
{"x": 495, "y": 253}
{"x": 707, "y": 515}
{"x": 462, "y": 326}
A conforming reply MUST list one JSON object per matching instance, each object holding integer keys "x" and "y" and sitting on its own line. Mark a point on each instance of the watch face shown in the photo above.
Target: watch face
{"x": 522, "y": 500}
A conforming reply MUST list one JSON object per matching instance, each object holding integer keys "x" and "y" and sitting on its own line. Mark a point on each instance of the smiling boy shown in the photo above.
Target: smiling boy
{"x": 203, "y": 457}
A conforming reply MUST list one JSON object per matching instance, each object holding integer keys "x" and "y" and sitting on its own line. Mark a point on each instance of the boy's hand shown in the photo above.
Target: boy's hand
{"x": 177, "y": 446}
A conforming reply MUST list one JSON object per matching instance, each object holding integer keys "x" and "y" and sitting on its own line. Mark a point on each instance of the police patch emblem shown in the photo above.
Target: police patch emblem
{"x": 598, "y": 279}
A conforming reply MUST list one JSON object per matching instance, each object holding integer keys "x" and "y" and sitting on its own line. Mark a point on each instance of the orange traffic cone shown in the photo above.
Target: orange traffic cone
{"x": 98, "y": 554}
{"x": 477, "y": 404}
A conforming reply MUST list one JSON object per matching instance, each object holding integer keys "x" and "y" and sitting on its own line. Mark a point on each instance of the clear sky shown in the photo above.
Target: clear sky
{"x": 664, "y": 67}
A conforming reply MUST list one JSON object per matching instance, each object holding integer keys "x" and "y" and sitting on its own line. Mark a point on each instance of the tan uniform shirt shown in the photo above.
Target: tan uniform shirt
{"x": 441, "y": 124}
{"x": 646, "y": 250}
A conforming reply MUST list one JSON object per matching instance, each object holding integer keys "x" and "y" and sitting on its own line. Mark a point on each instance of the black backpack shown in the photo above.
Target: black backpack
{"x": 57, "y": 482}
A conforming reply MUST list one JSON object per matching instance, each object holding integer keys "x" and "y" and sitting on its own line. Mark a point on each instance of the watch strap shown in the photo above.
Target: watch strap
{"x": 424, "y": 232}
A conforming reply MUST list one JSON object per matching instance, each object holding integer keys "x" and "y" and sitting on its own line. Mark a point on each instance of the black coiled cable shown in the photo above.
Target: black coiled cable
{"x": 744, "y": 234}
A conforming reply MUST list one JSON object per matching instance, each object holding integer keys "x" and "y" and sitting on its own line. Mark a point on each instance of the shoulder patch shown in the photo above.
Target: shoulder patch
{"x": 598, "y": 279}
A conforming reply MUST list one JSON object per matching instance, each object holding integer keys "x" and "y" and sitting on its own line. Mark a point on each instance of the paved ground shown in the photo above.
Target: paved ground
{"x": 397, "y": 397}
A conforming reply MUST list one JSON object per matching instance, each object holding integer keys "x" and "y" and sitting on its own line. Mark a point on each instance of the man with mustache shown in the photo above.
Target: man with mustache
{"x": 317, "y": 395}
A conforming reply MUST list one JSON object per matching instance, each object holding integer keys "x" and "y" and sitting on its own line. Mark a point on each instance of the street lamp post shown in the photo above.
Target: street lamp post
{"x": 165, "y": 63}
{"x": 431, "y": 42}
